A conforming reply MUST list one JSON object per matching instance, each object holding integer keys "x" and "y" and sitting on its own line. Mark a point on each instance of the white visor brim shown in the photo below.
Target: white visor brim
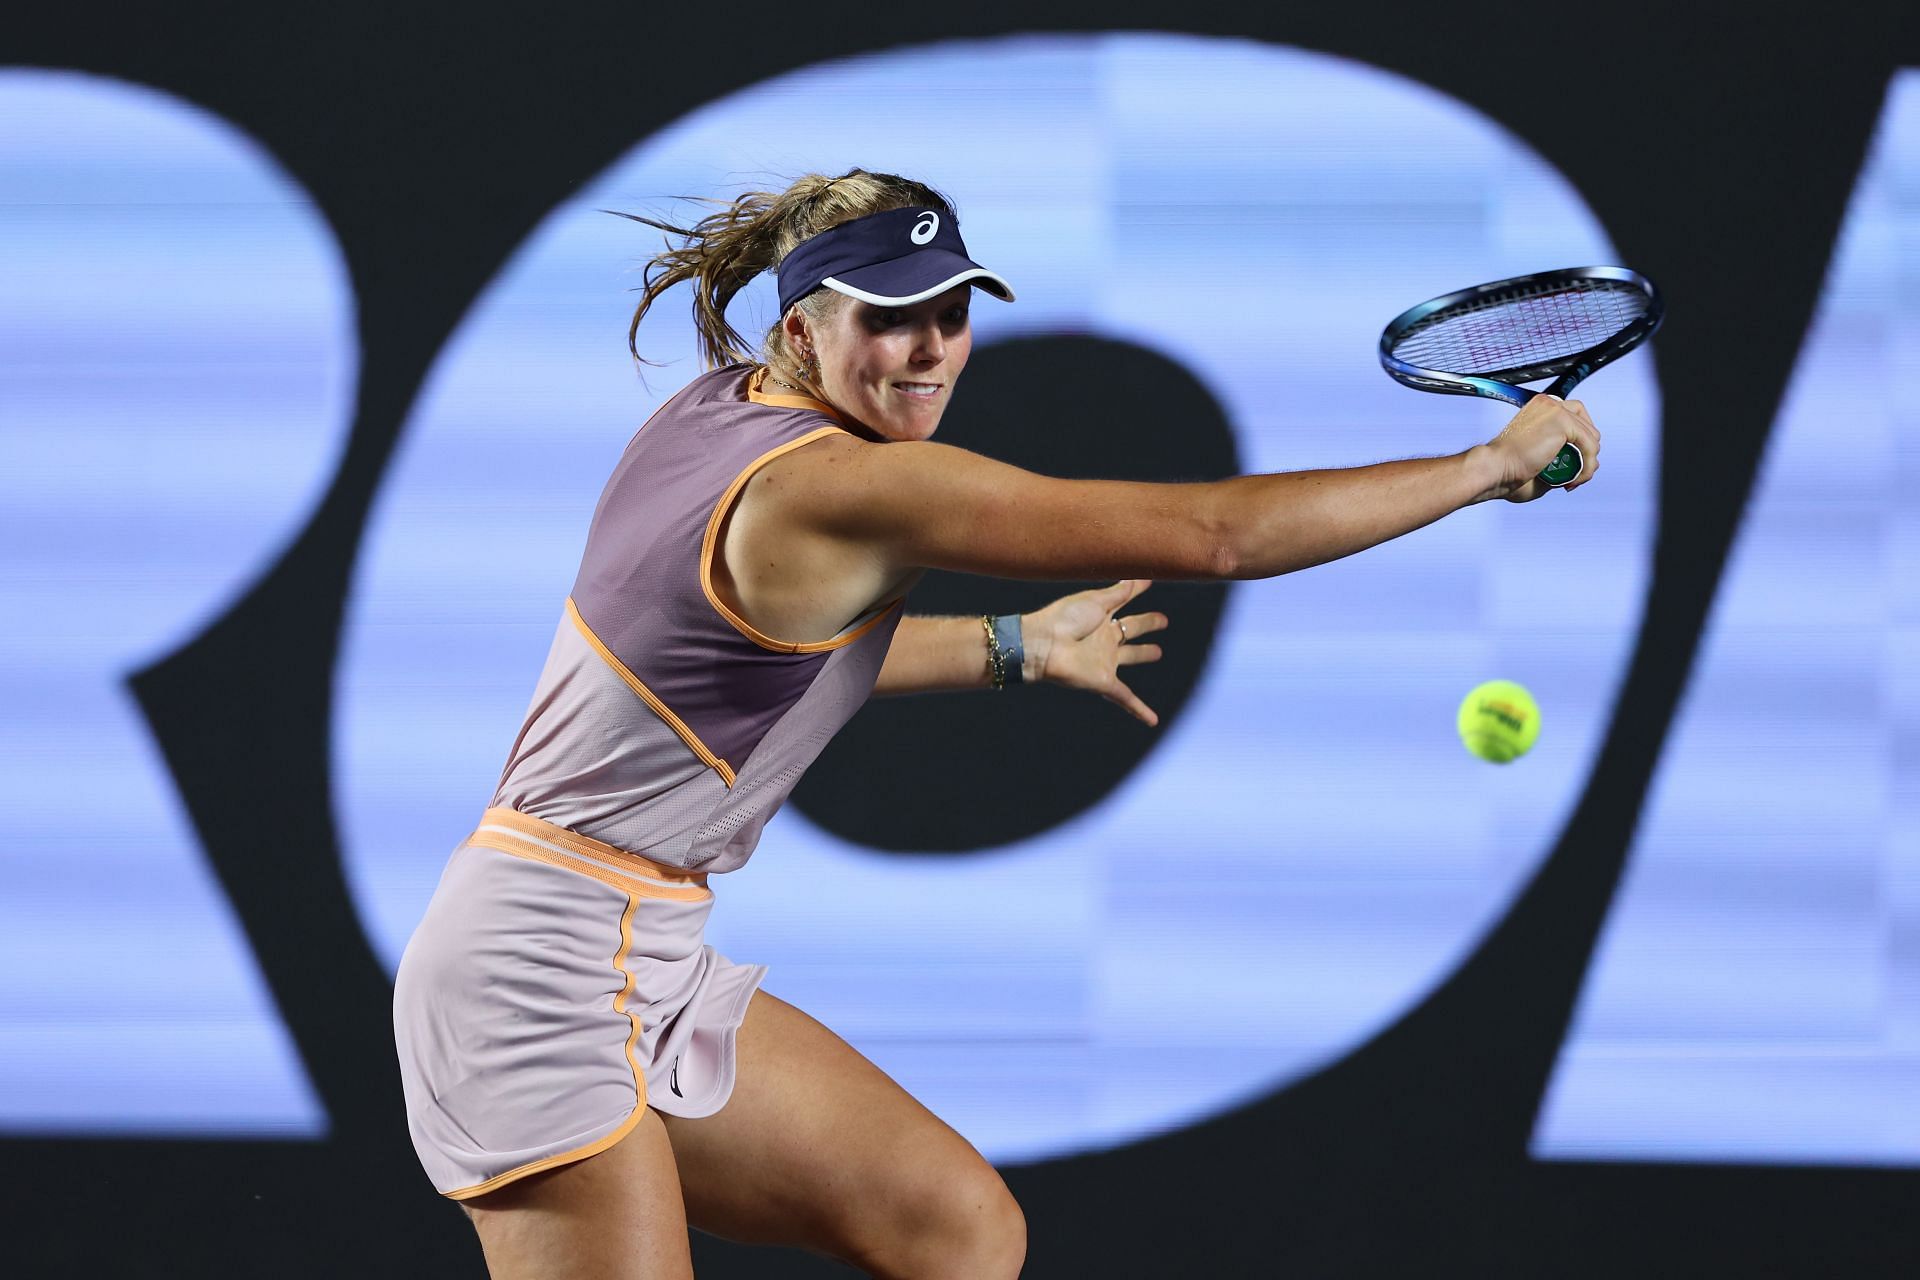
{"x": 992, "y": 283}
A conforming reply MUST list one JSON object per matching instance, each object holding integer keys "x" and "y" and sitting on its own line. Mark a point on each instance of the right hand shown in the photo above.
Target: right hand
{"x": 1533, "y": 438}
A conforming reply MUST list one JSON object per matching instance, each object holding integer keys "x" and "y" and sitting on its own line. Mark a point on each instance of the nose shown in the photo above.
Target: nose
{"x": 931, "y": 345}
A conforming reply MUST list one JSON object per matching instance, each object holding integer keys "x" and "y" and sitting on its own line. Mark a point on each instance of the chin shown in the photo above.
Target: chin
{"x": 918, "y": 426}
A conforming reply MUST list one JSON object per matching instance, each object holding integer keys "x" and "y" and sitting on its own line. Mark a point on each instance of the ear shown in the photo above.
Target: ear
{"x": 794, "y": 325}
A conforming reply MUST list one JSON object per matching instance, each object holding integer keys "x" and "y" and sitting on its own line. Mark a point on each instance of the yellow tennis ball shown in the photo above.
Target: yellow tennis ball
{"x": 1499, "y": 721}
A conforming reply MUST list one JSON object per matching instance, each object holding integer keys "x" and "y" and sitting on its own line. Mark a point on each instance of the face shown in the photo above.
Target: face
{"x": 891, "y": 369}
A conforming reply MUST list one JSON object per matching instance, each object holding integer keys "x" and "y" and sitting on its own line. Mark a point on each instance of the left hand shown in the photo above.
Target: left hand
{"x": 1082, "y": 641}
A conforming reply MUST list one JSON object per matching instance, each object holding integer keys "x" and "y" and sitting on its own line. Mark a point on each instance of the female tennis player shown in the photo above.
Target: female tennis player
{"x": 582, "y": 1073}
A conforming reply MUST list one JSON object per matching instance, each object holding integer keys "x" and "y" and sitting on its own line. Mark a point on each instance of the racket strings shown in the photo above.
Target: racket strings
{"x": 1515, "y": 330}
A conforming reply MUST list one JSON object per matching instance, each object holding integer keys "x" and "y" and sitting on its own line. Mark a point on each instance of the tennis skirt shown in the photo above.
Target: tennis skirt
{"x": 555, "y": 989}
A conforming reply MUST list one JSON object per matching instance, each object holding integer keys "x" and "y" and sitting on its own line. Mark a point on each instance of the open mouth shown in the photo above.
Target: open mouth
{"x": 918, "y": 390}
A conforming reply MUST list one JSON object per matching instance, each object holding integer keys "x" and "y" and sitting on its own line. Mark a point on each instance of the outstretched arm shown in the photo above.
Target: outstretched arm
{"x": 837, "y": 525}
{"x": 1073, "y": 642}
{"x": 882, "y": 510}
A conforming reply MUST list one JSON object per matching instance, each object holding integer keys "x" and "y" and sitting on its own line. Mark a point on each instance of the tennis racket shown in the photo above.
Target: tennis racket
{"x": 1487, "y": 340}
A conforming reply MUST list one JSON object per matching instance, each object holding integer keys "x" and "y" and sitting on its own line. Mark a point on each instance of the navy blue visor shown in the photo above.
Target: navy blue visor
{"x": 890, "y": 259}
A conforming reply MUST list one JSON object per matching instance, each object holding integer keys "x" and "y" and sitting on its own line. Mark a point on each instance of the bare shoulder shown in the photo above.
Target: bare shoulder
{"x": 822, "y": 462}
{"x": 847, "y": 486}
{"x": 779, "y": 567}
{"x": 847, "y": 458}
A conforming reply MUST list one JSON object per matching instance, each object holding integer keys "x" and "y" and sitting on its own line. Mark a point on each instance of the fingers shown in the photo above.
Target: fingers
{"x": 1136, "y": 625}
{"x": 1535, "y": 434}
{"x": 1124, "y": 698}
{"x": 1120, "y": 593}
{"x": 1129, "y": 654}
{"x": 1575, "y": 425}
{"x": 1587, "y": 437}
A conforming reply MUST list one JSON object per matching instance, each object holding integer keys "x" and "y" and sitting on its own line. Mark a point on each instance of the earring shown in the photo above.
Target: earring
{"x": 810, "y": 367}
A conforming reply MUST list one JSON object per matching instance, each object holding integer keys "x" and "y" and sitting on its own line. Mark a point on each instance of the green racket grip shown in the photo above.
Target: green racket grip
{"x": 1565, "y": 465}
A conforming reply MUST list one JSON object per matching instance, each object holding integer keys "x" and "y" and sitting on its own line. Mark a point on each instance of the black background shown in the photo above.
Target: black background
{"x": 1717, "y": 144}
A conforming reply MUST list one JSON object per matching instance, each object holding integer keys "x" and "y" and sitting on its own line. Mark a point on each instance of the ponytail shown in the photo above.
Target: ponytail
{"x": 721, "y": 252}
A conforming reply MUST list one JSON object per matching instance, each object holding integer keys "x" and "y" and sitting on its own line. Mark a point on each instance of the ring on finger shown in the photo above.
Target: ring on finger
{"x": 1121, "y": 623}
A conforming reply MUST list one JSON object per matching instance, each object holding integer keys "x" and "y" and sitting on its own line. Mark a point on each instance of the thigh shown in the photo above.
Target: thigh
{"x": 614, "y": 1214}
{"x": 818, "y": 1148}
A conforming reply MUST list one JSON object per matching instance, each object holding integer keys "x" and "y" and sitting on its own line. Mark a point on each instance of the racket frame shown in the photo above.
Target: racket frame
{"x": 1567, "y": 371}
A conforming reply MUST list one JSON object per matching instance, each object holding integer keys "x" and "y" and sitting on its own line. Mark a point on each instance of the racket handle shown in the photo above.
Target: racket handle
{"x": 1565, "y": 465}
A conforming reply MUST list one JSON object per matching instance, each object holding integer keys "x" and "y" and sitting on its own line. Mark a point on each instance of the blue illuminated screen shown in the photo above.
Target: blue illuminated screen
{"x": 1255, "y": 899}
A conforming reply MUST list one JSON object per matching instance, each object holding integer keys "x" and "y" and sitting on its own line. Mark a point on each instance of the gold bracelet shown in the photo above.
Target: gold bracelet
{"x": 996, "y": 657}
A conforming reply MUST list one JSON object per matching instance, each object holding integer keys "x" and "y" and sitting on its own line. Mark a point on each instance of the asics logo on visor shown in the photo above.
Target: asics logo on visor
{"x": 926, "y": 229}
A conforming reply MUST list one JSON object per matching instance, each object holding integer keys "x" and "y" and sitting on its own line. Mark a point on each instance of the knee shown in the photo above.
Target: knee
{"x": 994, "y": 1235}
{"x": 965, "y": 1224}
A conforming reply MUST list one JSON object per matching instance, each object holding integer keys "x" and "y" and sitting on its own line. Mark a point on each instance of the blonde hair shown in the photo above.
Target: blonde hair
{"x": 750, "y": 234}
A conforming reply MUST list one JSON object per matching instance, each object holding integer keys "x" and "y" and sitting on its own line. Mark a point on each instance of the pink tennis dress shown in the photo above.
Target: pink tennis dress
{"x": 558, "y": 984}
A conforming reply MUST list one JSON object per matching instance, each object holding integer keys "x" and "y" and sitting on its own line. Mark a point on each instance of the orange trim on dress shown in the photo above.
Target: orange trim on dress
{"x": 711, "y": 540}
{"x": 554, "y": 833}
{"x": 689, "y": 891}
{"x": 758, "y": 378}
{"x": 595, "y": 1147}
{"x": 648, "y": 696}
